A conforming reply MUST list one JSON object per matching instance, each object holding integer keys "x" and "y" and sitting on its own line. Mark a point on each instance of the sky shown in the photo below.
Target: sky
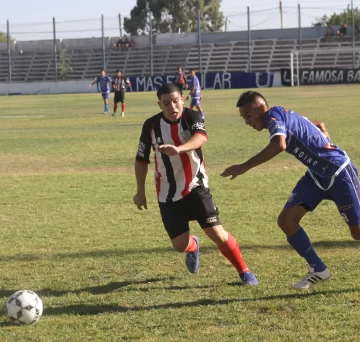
{"x": 32, "y": 19}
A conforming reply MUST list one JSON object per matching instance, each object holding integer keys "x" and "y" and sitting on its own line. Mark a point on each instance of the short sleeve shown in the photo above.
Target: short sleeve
{"x": 195, "y": 122}
{"x": 275, "y": 124}
{"x": 144, "y": 147}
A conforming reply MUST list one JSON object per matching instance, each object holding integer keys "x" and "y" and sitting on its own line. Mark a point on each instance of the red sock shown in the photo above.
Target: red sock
{"x": 115, "y": 107}
{"x": 123, "y": 107}
{"x": 192, "y": 245}
{"x": 231, "y": 251}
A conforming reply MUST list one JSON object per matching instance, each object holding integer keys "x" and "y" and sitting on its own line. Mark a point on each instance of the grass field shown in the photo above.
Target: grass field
{"x": 106, "y": 271}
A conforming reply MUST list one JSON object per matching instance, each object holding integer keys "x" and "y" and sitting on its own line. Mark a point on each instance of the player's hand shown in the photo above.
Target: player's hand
{"x": 90, "y": 85}
{"x": 234, "y": 171}
{"x": 140, "y": 201}
{"x": 169, "y": 150}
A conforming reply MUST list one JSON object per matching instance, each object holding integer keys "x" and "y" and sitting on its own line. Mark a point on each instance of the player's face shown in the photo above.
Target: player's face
{"x": 253, "y": 114}
{"x": 118, "y": 75}
{"x": 103, "y": 74}
{"x": 172, "y": 106}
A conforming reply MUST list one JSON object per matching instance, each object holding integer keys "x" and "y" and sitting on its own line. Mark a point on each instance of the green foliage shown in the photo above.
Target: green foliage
{"x": 174, "y": 15}
{"x": 3, "y": 37}
{"x": 106, "y": 272}
{"x": 63, "y": 67}
{"x": 345, "y": 17}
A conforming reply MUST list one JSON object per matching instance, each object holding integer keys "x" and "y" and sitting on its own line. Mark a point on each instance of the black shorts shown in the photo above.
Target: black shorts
{"x": 197, "y": 205}
{"x": 181, "y": 87}
{"x": 119, "y": 97}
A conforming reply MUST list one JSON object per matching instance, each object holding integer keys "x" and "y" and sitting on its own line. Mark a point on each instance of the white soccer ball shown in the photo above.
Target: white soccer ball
{"x": 24, "y": 307}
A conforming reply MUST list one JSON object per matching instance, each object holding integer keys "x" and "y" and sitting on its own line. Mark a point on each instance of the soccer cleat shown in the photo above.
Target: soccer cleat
{"x": 105, "y": 112}
{"x": 311, "y": 278}
{"x": 192, "y": 258}
{"x": 122, "y": 114}
{"x": 248, "y": 278}
{"x": 113, "y": 115}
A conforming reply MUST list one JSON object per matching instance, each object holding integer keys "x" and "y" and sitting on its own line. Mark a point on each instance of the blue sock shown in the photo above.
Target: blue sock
{"x": 301, "y": 243}
{"x": 106, "y": 107}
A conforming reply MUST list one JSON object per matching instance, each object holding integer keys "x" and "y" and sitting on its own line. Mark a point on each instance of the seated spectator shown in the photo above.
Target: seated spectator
{"x": 126, "y": 43}
{"x": 357, "y": 31}
{"x": 329, "y": 32}
{"x": 119, "y": 43}
{"x": 131, "y": 42}
{"x": 342, "y": 30}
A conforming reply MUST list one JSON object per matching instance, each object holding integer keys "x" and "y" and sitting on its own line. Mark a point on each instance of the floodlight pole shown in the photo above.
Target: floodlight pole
{"x": 103, "y": 41}
{"x": 249, "y": 40}
{"x": 8, "y": 49}
{"x": 353, "y": 33}
{"x": 55, "y": 52}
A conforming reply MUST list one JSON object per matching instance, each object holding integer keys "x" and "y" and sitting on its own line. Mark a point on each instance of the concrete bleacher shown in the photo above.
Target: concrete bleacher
{"x": 79, "y": 62}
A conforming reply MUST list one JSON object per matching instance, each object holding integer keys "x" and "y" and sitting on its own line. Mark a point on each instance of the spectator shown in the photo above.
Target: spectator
{"x": 131, "y": 42}
{"x": 119, "y": 43}
{"x": 357, "y": 31}
{"x": 342, "y": 30}
{"x": 329, "y": 32}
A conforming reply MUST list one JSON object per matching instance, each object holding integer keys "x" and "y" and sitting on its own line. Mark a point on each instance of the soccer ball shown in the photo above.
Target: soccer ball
{"x": 24, "y": 307}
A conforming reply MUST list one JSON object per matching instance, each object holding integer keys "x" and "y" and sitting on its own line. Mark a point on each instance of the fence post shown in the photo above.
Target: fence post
{"x": 8, "y": 49}
{"x": 103, "y": 41}
{"x": 353, "y": 33}
{"x": 199, "y": 38}
{"x": 249, "y": 40}
{"x": 120, "y": 26}
{"x": 151, "y": 43}
{"x": 300, "y": 37}
{"x": 55, "y": 50}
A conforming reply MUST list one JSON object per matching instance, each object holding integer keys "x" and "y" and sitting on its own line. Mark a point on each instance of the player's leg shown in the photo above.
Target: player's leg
{"x": 122, "y": 100}
{"x": 305, "y": 197}
{"x": 204, "y": 210}
{"x": 176, "y": 223}
{"x": 116, "y": 101}
{"x": 106, "y": 102}
{"x": 346, "y": 194}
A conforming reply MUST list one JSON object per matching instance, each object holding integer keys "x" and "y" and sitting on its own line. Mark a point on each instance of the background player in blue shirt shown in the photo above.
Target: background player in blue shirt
{"x": 331, "y": 175}
{"x": 104, "y": 84}
{"x": 195, "y": 90}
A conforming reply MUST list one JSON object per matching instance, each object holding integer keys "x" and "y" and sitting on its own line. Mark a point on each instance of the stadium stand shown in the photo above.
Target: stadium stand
{"x": 81, "y": 62}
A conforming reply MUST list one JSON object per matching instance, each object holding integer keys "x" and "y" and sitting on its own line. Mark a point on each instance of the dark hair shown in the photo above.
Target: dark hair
{"x": 117, "y": 71}
{"x": 192, "y": 70}
{"x": 167, "y": 89}
{"x": 249, "y": 97}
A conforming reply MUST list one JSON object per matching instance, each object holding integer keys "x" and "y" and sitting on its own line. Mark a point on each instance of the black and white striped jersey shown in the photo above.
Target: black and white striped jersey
{"x": 175, "y": 176}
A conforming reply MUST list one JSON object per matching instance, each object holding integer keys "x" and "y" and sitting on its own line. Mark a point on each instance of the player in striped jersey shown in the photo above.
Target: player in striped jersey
{"x": 120, "y": 83}
{"x": 195, "y": 92}
{"x": 331, "y": 174}
{"x": 176, "y": 135}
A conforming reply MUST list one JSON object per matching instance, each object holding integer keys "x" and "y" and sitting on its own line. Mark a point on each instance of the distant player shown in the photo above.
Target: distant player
{"x": 180, "y": 80}
{"x": 103, "y": 82}
{"x": 176, "y": 136}
{"x": 120, "y": 83}
{"x": 195, "y": 94}
{"x": 331, "y": 174}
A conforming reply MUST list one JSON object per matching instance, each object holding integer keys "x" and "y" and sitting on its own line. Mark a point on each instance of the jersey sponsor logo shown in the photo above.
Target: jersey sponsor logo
{"x": 186, "y": 134}
{"x": 301, "y": 155}
{"x": 141, "y": 149}
{"x": 198, "y": 125}
{"x": 212, "y": 219}
{"x": 159, "y": 141}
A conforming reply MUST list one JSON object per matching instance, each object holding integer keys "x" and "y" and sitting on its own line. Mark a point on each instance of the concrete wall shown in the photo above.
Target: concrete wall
{"x": 36, "y": 45}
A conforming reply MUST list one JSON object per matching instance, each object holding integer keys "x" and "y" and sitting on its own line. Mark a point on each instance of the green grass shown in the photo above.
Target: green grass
{"x": 106, "y": 271}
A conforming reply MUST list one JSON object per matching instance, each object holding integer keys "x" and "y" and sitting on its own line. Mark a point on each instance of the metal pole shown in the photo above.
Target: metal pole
{"x": 249, "y": 40}
{"x": 353, "y": 33}
{"x": 281, "y": 15}
{"x": 199, "y": 38}
{"x": 151, "y": 43}
{"x": 8, "y": 49}
{"x": 226, "y": 24}
{"x": 120, "y": 26}
{"x": 292, "y": 68}
{"x": 300, "y": 38}
{"x": 55, "y": 52}
{"x": 297, "y": 69}
{"x": 103, "y": 40}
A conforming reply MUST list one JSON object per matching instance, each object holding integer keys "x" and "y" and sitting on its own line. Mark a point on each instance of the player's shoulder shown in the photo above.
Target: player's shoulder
{"x": 189, "y": 113}
{"x": 149, "y": 122}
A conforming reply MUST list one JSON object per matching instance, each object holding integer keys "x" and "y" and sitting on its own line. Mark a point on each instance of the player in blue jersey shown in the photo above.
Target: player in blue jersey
{"x": 331, "y": 175}
{"x": 104, "y": 83}
{"x": 195, "y": 90}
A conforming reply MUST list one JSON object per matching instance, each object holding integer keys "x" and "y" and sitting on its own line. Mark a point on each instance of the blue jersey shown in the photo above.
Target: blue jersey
{"x": 306, "y": 142}
{"x": 195, "y": 82}
{"x": 104, "y": 83}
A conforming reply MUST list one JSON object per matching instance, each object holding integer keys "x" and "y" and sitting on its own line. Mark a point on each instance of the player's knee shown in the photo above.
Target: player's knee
{"x": 355, "y": 232}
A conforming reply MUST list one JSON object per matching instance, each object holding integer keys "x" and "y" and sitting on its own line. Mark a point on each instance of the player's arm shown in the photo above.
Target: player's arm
{"x": 192, "y": 90}
{"x": 195, "y": 142}
{"x": 92, "y": 83}
{"x": 321, "y": 126}
{"x": 276, "y": 146}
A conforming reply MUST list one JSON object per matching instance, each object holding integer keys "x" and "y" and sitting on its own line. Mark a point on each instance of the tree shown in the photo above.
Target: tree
{"x": 3, "y": 37}
{"x": 345, "y": 17}
{"x": 174, "y": 15}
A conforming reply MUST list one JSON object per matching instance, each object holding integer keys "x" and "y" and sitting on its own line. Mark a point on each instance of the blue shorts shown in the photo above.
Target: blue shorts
{"x": 105, "y": 96}
{"x": 195, "y": 102}
{"x": 345, "y": 192}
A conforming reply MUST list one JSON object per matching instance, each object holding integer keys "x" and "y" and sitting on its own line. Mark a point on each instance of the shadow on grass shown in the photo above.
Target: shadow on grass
{"x": 206, "y": 249}
{"x": 99, "y": 309}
